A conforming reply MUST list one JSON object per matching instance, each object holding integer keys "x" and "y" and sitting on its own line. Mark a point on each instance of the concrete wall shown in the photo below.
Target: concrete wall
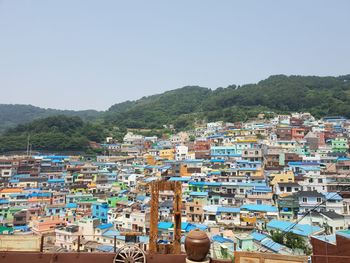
{"x": 19, "y": 243}
{"x": 253, "y": 257}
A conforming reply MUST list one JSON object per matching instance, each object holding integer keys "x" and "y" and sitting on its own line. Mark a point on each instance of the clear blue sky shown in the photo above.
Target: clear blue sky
{"x": 80, "y": 54}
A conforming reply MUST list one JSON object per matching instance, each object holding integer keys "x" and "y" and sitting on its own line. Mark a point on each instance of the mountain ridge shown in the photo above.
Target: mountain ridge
{"x": 279, "y": 93}
{"x": 51, "y": 130}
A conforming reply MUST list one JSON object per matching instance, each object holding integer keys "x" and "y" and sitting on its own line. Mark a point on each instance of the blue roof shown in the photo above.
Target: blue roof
{"x": 105, "y": 248}
{"x": 39, "y": 194}
{"x": 267, "y": 242}
{"x": 343, "y": 159}
{"x": 71, "y": 205}
{"x": 225, "y": 209}
{"x": 259, "y": 189}
{"x": 189, "y": 226}
{"x": 193, "y": 161}
{"x": 214, "y": 172}
{"x": 217, "y": 161}
{"x": 332, "y": 196}
{"x": 164, "y": 225}
{"x": 327, "y": 238}
{"x": 220, "y": 239}
{"x": 272, "y": 245}
{"x": 14, "y": 181}
{"x": 303, "y": 163}
{"x": 4, "y": 201}
{"x": 298, "y": 229}
{"x": 185, "y": 226}
{"x": 257, "y": 236}
{"x": 140, "y": 197}
{"x": 113, "y": 233}
{"x": 261, "y": 208}
{"x": 22, "y": 228}
{"x": 105, "y": 226}
{"x": 201, "y": 226}
{"x": 199, "y": 193}
{"x": 55, "y": 181}
{"x": 344, "y": 233}
{"x": 144, "y": 239}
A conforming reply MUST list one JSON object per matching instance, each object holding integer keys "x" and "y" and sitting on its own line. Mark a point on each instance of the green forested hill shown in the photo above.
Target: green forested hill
{"x": 14, "y": 114}
{"x": 321, "y": 96}
{"x": 55, "y": 133}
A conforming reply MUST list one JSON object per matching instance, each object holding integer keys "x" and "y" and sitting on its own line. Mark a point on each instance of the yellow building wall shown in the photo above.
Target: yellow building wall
{"x": 286, "y": 177}
{"x": 168, "y": 154}
{"x": 183, "y": 170}
{"x": 150, "y": 160}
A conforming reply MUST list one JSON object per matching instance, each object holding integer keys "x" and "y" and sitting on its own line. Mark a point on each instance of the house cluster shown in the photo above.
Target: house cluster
{"x": 241, "y": 182}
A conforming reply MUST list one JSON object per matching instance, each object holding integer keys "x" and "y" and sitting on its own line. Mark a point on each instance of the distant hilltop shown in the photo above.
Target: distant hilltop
{"x": 321, "y": 96}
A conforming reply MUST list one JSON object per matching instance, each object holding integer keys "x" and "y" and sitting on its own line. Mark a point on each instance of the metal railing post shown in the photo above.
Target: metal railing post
{"x": 42, "y": 244}
{"x": 78, "y": 249}
{"x": 115, "y": 244}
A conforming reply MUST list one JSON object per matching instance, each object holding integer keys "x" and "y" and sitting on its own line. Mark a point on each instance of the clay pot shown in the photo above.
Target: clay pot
{"x": 197, "y": 245}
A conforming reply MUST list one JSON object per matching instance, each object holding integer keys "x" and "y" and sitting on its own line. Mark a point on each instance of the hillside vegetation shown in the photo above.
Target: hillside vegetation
{"x": 182, "y": 107}
{"x": 55, "y": 133}
{"x": 319, "y": 95}
{"x": 13, "y": 114}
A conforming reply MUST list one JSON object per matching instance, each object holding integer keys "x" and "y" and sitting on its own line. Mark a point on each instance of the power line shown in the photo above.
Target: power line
{"x": 289, "y": 228}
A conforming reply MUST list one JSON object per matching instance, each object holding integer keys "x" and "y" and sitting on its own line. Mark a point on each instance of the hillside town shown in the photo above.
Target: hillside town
{"x": 251, "y": 186}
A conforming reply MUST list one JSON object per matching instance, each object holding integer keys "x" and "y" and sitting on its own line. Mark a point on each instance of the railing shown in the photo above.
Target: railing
{"x": 68, "y": 243}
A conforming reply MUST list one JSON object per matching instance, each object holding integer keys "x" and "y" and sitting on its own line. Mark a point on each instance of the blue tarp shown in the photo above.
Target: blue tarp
{"x": 220, "y": 239}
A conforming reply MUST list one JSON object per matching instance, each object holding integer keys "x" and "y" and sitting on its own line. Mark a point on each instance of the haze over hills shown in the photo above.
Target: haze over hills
{"x": 320, "y": 96}
{"x": 14, "y": 114}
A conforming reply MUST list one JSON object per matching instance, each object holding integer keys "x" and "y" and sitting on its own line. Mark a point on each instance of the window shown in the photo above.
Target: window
{"x": 212, "y": 217}
{"x": 304, "y": 199}
{"x": 289, "y": 189}
{"x": 319, "y": 199}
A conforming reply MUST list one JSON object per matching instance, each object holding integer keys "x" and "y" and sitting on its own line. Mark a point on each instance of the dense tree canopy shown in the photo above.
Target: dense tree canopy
{"x": 319, "y": 95}
{"x": 56, "y": 133}
{"x": 14, "y": 114}
{"x": 183, "y": 107}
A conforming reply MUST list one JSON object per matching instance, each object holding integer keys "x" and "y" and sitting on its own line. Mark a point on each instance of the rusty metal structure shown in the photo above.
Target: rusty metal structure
{"x": 175, "y": 246}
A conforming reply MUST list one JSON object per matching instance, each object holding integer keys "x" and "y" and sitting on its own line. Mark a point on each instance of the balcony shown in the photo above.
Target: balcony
{"x": 248, "y": 219}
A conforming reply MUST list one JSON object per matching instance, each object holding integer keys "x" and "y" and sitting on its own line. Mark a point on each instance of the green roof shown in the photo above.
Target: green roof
{"x": 6, "y": 229}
